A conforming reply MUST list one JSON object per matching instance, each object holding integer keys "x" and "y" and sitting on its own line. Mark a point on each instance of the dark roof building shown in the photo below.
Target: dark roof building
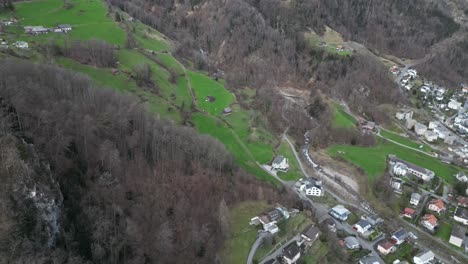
{"x": 310, "y": 233}
{"x": 291, "y": 253}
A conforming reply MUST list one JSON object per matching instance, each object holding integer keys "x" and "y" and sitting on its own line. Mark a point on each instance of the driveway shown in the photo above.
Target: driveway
{"x": 257, "y": 243}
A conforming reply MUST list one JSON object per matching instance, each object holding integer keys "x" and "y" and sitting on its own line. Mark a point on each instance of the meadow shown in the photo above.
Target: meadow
{"x": 373, "y": 160}
{"x": 341, "y": 118}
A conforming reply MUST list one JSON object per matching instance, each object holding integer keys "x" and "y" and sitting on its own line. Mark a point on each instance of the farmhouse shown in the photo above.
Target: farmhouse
{"x": 64, "y": 27}
{"x": 291, "y": 253}
{"x": 424, "y": 257}
{"x": 362, "y": 226}
{"x": 422, "y": 173}
{"x": 36, "y": 30}
{"x": 415, "y": 198}
{"x": 340, "y": 212}
{"x": 429, "y": 221}
{"x": 436, "y": 205}
{"x": 280, "y": 163}
{"x": 458, "y": 236}
{"x": 312, "y": 186}
{"x": 385, "y": 247}
{"x": 399, "y": 236}
{"x": 310, "y": 234}
{"x": 227, "y": 111}
{"x": 21, "y": 44}
{"x": 461, "y": 215}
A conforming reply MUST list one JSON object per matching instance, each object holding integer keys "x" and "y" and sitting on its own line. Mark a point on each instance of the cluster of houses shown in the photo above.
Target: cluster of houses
{"x": 408, "y": 79}
{"x": 433, "y": 131}
{"x": 310, "y": 186}
{"x": 292, "y": 252}
{"x": 38, "y": 30}
{"x": 460, "y": 122}
{"x": 269, "y": 219}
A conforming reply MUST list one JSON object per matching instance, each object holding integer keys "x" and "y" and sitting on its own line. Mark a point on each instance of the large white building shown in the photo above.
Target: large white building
{"x": 400, "y": 169}
{"x": 312, "y": 187}
{"x": 453, "y": 104}
{"x": 424, "y": 257}
{"x": 420, "y": 172}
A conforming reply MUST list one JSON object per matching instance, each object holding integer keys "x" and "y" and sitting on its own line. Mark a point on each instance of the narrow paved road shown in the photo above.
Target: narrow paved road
{"x": 405, "y": 146}
{"x": 261, "y": 235}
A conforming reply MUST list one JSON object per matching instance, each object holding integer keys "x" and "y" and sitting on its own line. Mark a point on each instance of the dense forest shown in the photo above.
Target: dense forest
{"x": 90, "y": 175}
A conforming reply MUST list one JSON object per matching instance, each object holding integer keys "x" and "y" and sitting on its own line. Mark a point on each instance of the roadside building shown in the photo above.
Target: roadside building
{"x": 457, "y": 236}
{"x": 461, "y": 215}
{"x": 404, "y": 114}
{"x": 410, "y": 123}
{"x": 339, "y": 212}
{"x": 415, "y": 198}
{"x": 430, "y": 222}
{"x": 420, "y": 129}
{"x": 352, "y": 243}
{"x": 399, "y": 236}
{"x": 430, "y": 136}
{"x": 385, "y": 247}
{"x": 369, "y": 260}
{"x": 310, "y": 234}
{"x": 362, "y": 226}
{"x": 312, "y": 187}
{"x": 424, "y": 257}
{"x": 409, "y": 213}
{"x": 291, "y": 253}
{"x": 436, "y": 205}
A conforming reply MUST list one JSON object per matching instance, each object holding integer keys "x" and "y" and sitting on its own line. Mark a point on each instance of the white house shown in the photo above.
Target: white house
{"x": 400, "y": 169}
{"x": 352, "y": 243}
{"x": 312, "y": 187}
{"x": 362, "y": 226}
{"x": 269, "y": 219}
{"x": 280, "y": 163}
{"x": 457, "y": 236}
{"x": 429, "y": 221}
{"x": 420, "y": 172}
{"x": 424, "y": 257}
{"x": 396, "y": 184}
{"x": 65, "y": 27}
{"x": 21, "y": 44}
{"x": 461, "y": 215}
{"x": 415, "y": 198}
{"x": 430, "y": 136}
{"x": 453, "y": 104}
{"x": 420, "y": 129}
{"x": 340, "y": 212}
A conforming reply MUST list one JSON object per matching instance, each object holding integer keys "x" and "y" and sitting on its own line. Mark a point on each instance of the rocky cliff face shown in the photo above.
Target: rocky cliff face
{"x": 30, "y": 200}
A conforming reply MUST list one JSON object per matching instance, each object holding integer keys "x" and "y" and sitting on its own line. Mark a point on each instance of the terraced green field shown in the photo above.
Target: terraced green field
{"x": 373, "y": 159}
{"x": 87, "y": 17}
{"x": 203, "y": 87}
{"x": 405, "y": 141}
{"x": 341, "y": 118}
